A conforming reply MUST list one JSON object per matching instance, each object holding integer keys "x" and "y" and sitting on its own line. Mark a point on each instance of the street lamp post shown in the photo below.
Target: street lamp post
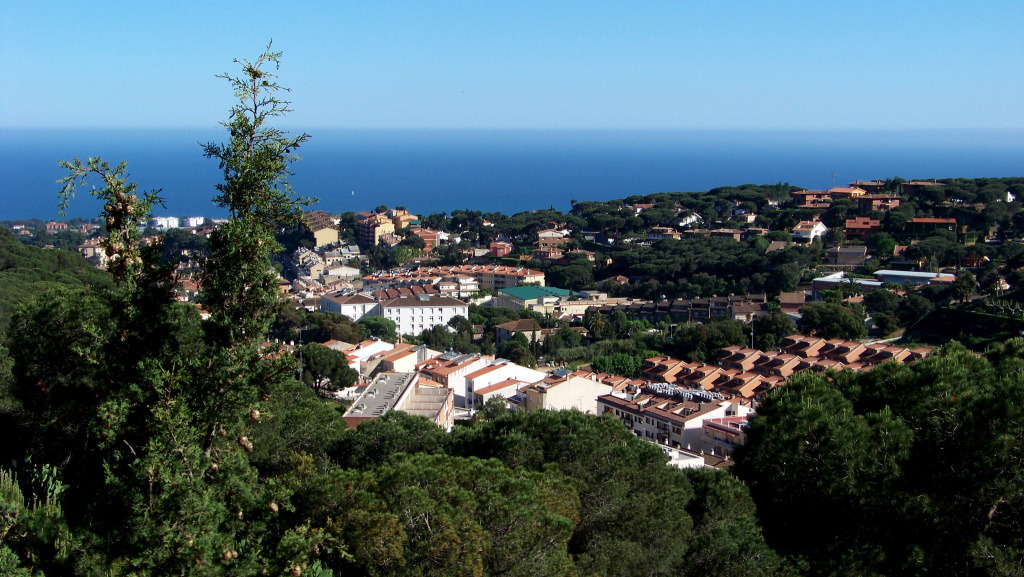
{"x": 299, "y": 369}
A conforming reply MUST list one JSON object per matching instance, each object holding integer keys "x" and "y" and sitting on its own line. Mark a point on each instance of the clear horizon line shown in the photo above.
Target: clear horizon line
{"x": 290, "y": 127}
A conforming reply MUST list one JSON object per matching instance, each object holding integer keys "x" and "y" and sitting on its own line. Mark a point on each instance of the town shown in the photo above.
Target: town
{"x": 544, "y": 310}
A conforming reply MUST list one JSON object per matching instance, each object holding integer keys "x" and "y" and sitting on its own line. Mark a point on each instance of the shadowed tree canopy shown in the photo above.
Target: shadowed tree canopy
{"x": 918, "y": 466}
{"x": 379, "y": 327}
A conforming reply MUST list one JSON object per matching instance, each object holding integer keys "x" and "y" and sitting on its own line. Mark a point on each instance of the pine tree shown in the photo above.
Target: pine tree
{"x": 150, "y": 413}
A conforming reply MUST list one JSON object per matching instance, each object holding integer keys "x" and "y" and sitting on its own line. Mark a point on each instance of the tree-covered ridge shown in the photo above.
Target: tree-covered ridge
{"x": 28, "y": 271}
{"x": 702, "y": 267}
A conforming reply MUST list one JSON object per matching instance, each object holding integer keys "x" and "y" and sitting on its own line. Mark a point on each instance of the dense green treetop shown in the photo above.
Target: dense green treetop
{"x": 832, "y": 320}
{"x": 917, "y": 466}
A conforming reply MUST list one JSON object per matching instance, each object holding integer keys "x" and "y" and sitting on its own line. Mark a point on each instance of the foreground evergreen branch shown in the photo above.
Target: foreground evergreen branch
{"x": 123, "y": 212}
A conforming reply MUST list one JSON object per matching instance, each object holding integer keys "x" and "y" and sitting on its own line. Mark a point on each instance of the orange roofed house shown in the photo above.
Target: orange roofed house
{"x": 811, "y": 199}
{"x": 672, "y": 422}
{"x": 861, "y": 227}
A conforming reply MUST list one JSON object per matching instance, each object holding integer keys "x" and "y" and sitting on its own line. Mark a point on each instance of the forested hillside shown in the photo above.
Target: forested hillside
{"x": 27, "y": 271}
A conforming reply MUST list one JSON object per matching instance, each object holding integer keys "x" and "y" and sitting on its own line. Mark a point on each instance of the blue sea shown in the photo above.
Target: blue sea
{"x": 507, "y": 171}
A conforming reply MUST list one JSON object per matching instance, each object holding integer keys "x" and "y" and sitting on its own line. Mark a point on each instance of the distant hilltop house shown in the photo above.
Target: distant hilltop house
{"x": 846, "y": 256}
{"x": 93, "y": 247}
{"x": 845, "y": 193}
{"x": 915, "y": 187}
{"x": 54, "y": 226}
{"x": 870, "y": 186}
{"x": 883, "y": 202}
{"x": 662, "y": 232}
{"x": 688, "y": 219}
{"x": 924, "y": 224}
{"x": 551, "y": 238}
{"x": 869, "y": 198}
{"x": 811, "y": 198}
{"x": 500, "y": 248}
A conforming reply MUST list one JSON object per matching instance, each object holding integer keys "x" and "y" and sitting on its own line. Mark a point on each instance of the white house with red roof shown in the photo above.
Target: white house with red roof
{"x": 808, "y": 230}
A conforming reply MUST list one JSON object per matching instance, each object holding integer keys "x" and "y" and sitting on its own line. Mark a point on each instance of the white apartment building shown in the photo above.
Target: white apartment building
{"x": 164, "y": 222}
{"x": 497, "y": 372}
{"x": 565, "y": 391}
{"x": 450, "y": 370}
{"x": 415, "y": 314}
{"x": 411, "y": 314}
{"x": 353, "y": 306}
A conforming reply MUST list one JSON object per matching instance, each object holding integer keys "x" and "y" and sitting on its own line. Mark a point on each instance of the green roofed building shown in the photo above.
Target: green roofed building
{"x": 542, "y": 299}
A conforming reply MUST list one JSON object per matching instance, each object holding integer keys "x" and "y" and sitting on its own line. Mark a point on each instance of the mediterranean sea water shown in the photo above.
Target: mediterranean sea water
{"x": 508, "y": 171}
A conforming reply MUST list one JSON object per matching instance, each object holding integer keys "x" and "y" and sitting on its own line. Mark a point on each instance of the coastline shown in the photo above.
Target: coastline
{"x": 503, "y": 170}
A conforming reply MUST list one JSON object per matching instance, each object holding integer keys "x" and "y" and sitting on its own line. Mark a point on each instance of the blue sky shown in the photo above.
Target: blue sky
{"x": 523, "y": 64}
